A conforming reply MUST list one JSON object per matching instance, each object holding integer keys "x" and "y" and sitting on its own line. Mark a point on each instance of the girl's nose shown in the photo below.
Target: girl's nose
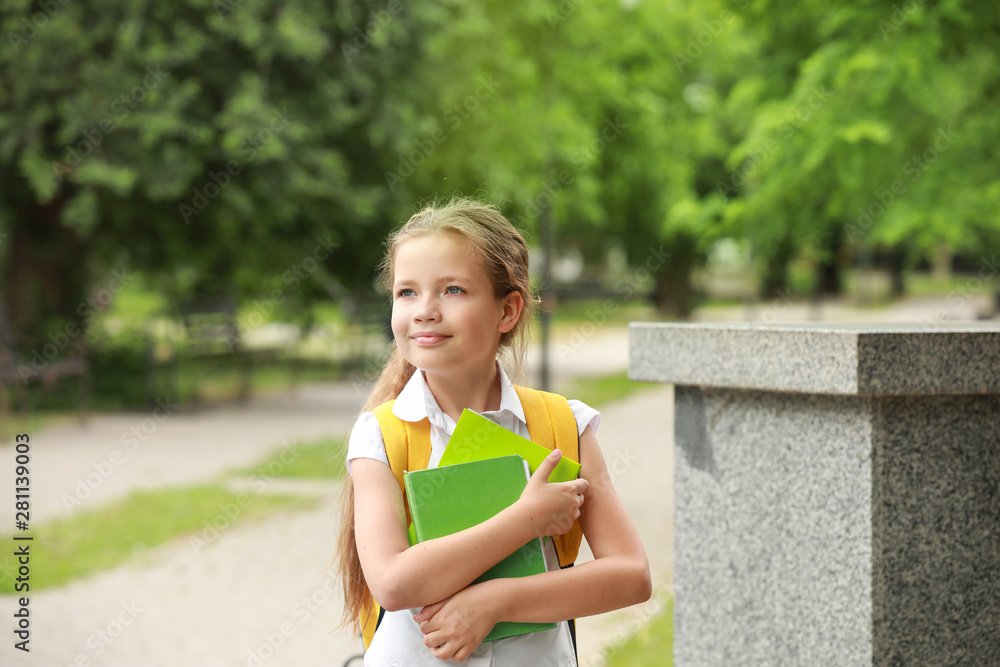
{"x": 427, "y": 310}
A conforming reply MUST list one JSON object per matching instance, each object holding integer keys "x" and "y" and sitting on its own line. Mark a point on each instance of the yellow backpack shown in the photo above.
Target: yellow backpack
{"x": 408, "y": 446}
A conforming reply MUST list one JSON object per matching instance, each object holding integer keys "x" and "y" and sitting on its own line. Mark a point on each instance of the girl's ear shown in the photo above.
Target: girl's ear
{"x": 510, "y": 311}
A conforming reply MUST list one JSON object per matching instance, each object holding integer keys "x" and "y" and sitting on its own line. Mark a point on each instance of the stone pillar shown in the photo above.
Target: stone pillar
{"x": 837, "y": 492}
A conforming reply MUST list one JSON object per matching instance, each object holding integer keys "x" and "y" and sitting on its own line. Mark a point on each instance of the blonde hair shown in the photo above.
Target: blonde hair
{"x": 504, "y": 256}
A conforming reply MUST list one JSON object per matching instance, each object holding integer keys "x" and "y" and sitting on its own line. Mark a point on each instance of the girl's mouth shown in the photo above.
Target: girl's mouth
{"x": 428, "y": 338}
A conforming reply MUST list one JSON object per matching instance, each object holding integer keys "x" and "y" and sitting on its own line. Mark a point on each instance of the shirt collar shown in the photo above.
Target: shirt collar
{"x": 416, "y": 401}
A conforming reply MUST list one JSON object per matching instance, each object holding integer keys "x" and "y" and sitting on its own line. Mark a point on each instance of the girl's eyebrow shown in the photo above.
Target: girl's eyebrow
{"x": 441, "y": 280}
{"x": 455, "y": 279}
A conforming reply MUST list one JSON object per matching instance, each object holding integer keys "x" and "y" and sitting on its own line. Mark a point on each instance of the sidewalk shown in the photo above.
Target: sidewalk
{"x": 261, "y": 593}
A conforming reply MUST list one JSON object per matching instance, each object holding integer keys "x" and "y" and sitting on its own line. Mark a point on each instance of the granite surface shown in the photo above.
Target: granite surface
{"x": 928, "y": 358}
{"x": 837, "y": 492}
{"x": 772, "y": 530}
{"x": 809, "y": 526}
{"x": 935, "y": 518}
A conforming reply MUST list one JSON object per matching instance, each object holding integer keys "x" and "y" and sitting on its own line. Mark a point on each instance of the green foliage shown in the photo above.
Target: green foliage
{"x": 107, "y": 536}
{"x": 867, "y": 127}
{"x": 262, "y": 150}
{"x": 213, "y": 147}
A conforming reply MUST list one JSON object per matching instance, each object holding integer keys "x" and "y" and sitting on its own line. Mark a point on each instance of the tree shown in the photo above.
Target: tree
{"x": 868, "y": 130}
{"x": 212, "y": 146}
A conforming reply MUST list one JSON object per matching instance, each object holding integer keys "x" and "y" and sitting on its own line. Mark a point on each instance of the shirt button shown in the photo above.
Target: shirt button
{"x": 482, "y": 649}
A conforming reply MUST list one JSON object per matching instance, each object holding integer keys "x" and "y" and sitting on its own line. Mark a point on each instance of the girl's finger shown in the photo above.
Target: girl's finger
{"x": 434, "y": 639}
{"x": 545, "y": 468}
{"x": 427, "y": 613}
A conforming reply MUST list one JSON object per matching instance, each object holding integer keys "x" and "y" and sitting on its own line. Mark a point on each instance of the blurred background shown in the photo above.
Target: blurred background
{"x": 195, "y": 193}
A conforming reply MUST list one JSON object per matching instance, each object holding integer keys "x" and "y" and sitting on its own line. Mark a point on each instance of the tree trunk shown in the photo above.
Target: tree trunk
{"x": 828, "y": 274}
{"x": 673, "y": 292}
{"x": 775, "y": 277}
{"x": 45, "y": 295}
{"x": 828, "y": 282}
{"x": 894, "y": 259}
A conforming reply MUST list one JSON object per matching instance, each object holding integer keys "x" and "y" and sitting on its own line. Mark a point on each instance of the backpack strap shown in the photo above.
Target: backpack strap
{"x": 551, "y": 424}
{"x": 408, "y": 447}
{"x": 407, "y": 444}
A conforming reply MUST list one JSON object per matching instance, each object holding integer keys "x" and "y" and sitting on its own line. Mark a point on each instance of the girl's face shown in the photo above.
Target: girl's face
{"x": 445, "y": 317}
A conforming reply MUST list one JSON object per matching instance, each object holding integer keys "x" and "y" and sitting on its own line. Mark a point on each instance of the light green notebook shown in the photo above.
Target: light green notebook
{"x": 448, "y": 500}
{"x": 476, "y": 438}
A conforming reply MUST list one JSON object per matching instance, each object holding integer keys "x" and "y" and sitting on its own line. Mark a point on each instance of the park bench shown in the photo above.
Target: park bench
{"x": 213, "y": 336}
{"x": 18, "y": 369}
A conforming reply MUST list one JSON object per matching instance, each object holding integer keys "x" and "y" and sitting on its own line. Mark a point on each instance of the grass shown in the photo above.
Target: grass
{"x": 107, "y": 536}
{"x": 322, "y": 459}
{"x": 571, "y": 317}
{"x": 598, "y": 391}
{"x": 30, "y": 422}
{"x": 923, "y": 284}
{"x": 651, "y": 646}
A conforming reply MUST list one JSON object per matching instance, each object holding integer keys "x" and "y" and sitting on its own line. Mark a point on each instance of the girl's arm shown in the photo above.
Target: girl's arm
{"x": 617, "y": 577}
{"x": 401, "y": 577}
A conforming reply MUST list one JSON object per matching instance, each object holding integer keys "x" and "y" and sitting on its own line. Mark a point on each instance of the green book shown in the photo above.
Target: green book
{"x": 448, "y": 500}
{"x": 476, "y": 438}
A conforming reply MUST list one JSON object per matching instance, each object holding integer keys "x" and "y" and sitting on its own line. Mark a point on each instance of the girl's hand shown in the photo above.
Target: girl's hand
{"x": 552, "y": 508}
{"x": 456, "y": 626}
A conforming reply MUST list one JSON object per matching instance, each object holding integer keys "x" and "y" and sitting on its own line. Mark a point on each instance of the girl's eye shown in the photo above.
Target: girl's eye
{"x": 405, "y": 292}
{"x": 454, "y": 289}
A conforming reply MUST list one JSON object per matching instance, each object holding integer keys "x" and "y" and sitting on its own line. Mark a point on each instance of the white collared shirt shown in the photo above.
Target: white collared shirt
{"x": 398, "y": 641}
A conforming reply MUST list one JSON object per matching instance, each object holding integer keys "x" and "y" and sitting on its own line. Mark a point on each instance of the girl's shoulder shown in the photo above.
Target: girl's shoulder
{"x": 365, "y": 441}
{"x": 585, "y": 415}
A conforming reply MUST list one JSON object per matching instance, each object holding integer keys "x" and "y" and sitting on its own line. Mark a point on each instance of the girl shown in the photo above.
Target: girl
{"x": 460, "y": 295}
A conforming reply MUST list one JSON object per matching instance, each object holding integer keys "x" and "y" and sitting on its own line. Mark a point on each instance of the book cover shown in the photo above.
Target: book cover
{"x": 476, "y": 438}
{"x": 448, "y": 500}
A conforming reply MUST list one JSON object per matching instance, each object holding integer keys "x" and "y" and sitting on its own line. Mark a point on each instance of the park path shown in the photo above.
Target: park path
{"x": 261, "y": 593}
